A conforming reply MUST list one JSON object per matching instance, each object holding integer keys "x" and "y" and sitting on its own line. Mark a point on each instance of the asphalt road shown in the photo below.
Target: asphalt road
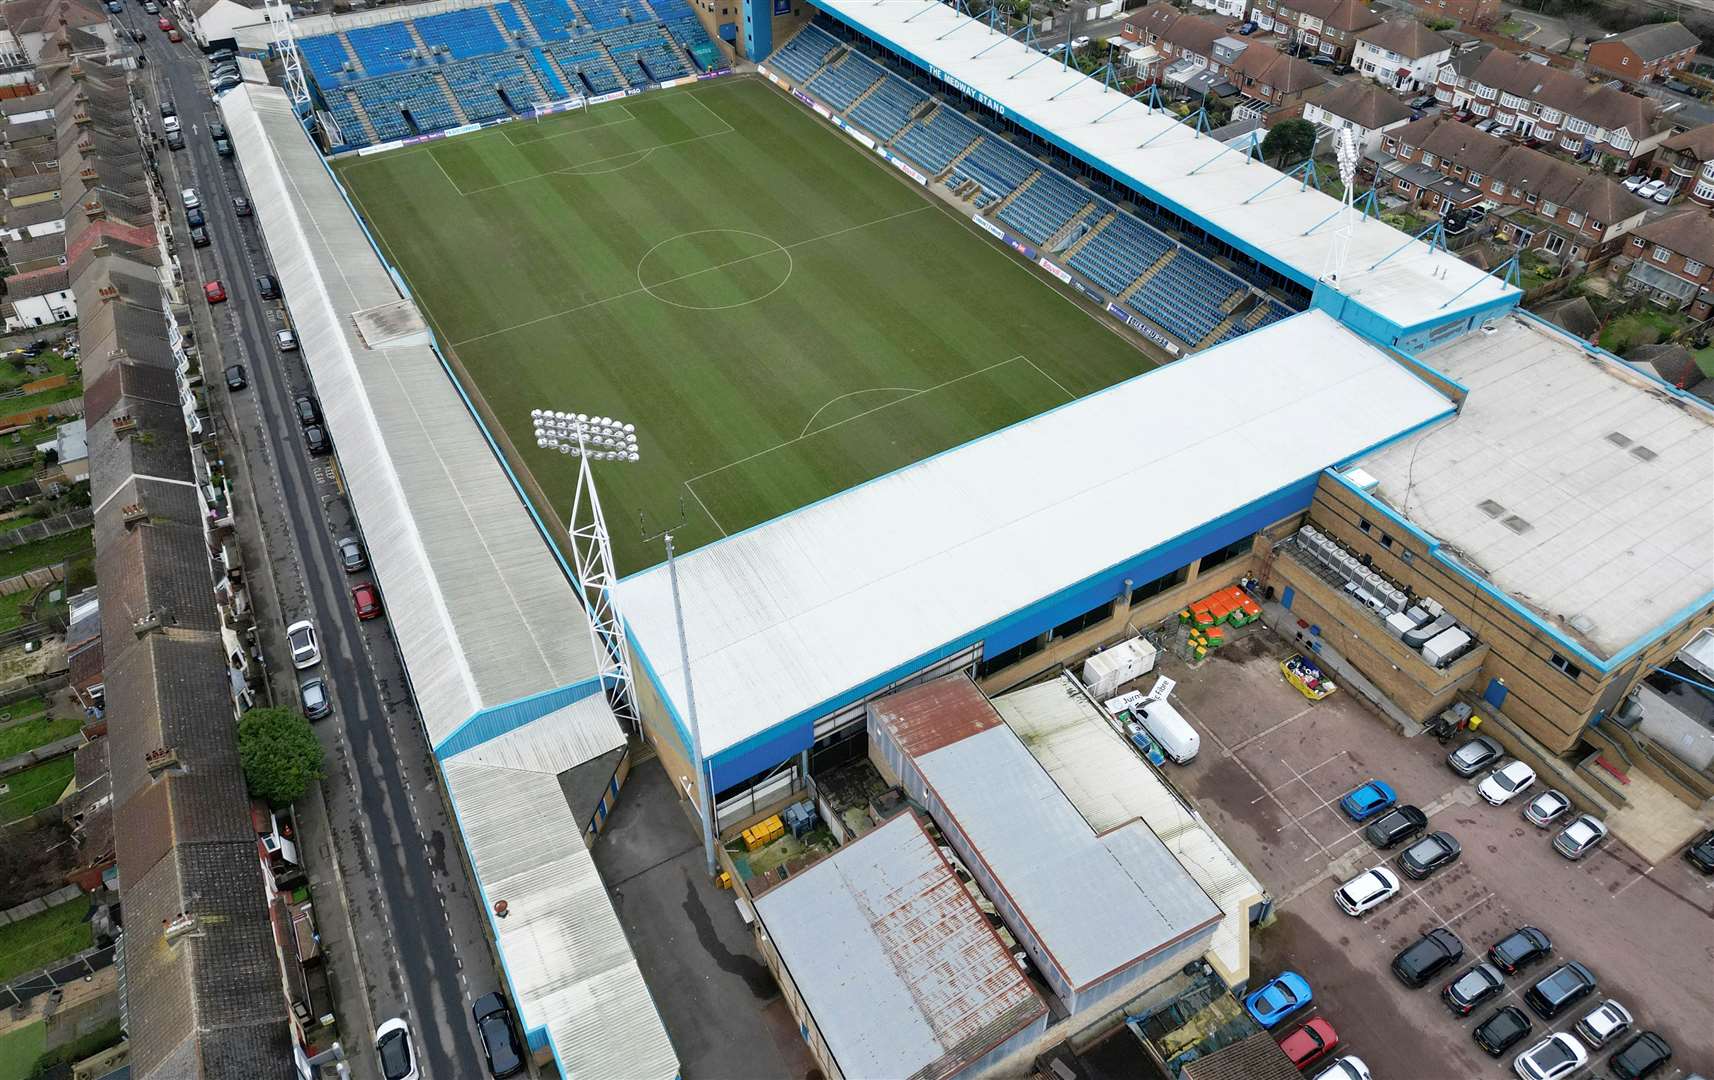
{"x": 416, "y": 922}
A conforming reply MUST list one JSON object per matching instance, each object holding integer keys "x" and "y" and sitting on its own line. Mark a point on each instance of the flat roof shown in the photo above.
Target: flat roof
{"x": 1081, "y": 749}
{"x": 1568, "y": 481}
{"x": 1098, "y": 902}
{"x": 784, "y": 618}
{"x": 900, "y": 969}
{"x": 1177, "y": 166}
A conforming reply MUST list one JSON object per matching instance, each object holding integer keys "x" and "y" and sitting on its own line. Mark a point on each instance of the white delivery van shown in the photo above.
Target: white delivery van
{"x": 1172, "y": 731}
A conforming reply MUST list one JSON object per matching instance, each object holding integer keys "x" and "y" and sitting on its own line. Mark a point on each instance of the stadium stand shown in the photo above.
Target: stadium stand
{"x": 553, "y": 19}
{"x": 385, "y": 49}
{"x": 995, "y": 166}
{"x": 936, "y": 138}
{"x": 889, "y": 108}
{"x": 1045, "y": 207}
{"x": 844, "y": 82}
{"x": 327, "y": 59}
{"x": 387, "y": 99}
{"x": 803, "y": 55}
{"x": 464, "y": 34}
{"x": 585, "y": 60}
{"x": 607, "y": 14}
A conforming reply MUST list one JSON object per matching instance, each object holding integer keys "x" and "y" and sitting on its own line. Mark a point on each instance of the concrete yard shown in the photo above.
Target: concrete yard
{"x": 1271, "y": 770}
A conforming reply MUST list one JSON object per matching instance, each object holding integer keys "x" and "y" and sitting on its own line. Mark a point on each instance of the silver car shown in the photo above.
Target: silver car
{"x": 1474, "y": 756}
{"x": 1604, "y": 1023}
{"x": 1580, "y": 837}
{"x": 1546, "y": 808}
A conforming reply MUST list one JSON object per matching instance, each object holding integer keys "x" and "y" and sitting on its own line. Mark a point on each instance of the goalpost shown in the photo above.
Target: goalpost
{"x": 553, "y": 108}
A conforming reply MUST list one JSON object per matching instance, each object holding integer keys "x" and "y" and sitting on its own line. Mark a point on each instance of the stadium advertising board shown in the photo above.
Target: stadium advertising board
{"x": 1064, "y": 277}
{"x": 867, "y": 142}
{"x": 905, "y": 168}
{"x": 1142, "y": 328}
{"x": 988, "y": 227}
{"x": 775, "y": 79}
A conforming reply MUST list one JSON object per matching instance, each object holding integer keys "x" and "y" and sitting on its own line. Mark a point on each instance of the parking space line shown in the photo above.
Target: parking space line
{"x": 1621, "y": 889}
{"x": 1242, "y": 743}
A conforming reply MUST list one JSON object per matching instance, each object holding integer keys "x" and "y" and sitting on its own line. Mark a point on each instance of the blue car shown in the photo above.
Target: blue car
{"x": 1367, "y": 801}
{"x": 1286, "y": 994}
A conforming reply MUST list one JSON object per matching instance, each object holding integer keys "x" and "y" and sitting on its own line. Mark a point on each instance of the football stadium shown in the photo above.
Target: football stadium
{"x": 942, "y": 357}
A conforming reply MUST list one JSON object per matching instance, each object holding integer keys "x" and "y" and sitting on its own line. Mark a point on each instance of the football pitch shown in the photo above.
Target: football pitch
{"x": 782, "y": 314}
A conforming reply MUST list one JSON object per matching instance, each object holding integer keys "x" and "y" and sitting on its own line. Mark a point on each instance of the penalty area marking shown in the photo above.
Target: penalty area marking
{"x": 627, "y": 118}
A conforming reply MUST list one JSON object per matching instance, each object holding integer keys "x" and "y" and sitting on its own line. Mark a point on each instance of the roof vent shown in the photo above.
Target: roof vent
{"x": 1618, "y": 439}
{"x": 159, "y": 761}
{"x": 1517, "y": 524}
{"x": 149, "y": 622}
{"x": 178, "y": 927}
{"x": 1643, "y": 453}
{"x": 134, "y": 514}
{"x": 1491, "y": 508}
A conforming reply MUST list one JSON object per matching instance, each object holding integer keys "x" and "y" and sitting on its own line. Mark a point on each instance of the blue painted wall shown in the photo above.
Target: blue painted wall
{"x": 493, "y": 722}
{"x": 758, "y": 27}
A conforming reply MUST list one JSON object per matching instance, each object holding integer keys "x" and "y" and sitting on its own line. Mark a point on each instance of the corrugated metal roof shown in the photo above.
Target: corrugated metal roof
{"x": 903, "y": 974}
{"x": 1097, "y": 903}
{"x": 786, "y": 616}
{"x": 928, "y": 717}
{"x": 1110, "y": 785}
{"x": 1169, "y": 158}
{"x": 482, "y": 612}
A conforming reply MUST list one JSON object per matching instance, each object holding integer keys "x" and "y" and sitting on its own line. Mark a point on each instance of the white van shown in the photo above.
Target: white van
{"x": 1172, "y": 731}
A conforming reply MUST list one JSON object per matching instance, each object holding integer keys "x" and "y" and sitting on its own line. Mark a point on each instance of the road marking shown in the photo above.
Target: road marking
{"x": 1620, "y": 890}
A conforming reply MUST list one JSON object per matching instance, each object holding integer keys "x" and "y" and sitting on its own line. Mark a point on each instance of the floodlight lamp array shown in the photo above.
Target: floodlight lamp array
{"x": 599, "y": 438}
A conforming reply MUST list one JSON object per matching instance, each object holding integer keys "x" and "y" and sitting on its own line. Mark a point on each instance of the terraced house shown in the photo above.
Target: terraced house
{"x": 1654, "y": 51}
{"x": 1402, "y": 54}
{"x": 1687, "y": 160}
{"x": 1225, "y": 64}
{"x": 1675, "y": 261}
{"x": 1329, "y": 27}
{"x": 1555, "y": 107}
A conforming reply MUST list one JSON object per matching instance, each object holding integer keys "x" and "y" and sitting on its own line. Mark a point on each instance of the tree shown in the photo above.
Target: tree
{"x": 1289, "y": 140}
{"x": 280, "y": 754}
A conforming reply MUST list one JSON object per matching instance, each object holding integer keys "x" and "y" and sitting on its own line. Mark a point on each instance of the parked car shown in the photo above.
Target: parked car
{"x": 174, "y": 36}
{"x": 216, "y": 129}
{"x": 1519, "y": 949}
{"x": 241, "y": 206}
{"x": 1646, "y": 1054}
{"x": 1429, "y": 854}
{"x": 170, "y": 124}
{"x": 1665, "y": 195}
{"x": 138, "y": 35}
{"x": 393, "y": 1046}
{"x": 309, "y": 412}
{"x": 1422, "y": 101}
{"x": 1700, "y": 853}
{"x": 1367, "y": 891}
{"x": 1648, "y": 190}
{"x": 190, "y": 198}
{"x": 214, "y": 291}
{"x": 175, "y": 140}
{"x": 193, "y": 217}
{"x": 1580, "y": 837}
{"x": 1246, "y": 28}
{"x": 1080, "y": 42}
{"x": 1395, "y": 827}
{"x": 1349, "y": 1067}
{"x": 1632, "y": 183}
{"x": 168, "y": 109}
{"x": 1471, "y": 988}
{"x": 306, "y": 652}
{"x": 367, "y": 601}
{"x": 1367, "y": 800}
{"x": 1560, "y": 989}
{"x": 199, "y": 237}
{"x": 236, "y": 377}
{"x": 223, "y": 147}
{"x": 288, "y": 341}
{"x": 1474, "y": 756}
{"x": 1604, "y": 1023}
{"x": 312, "y": 695}
{"x": 1555, "y": 1056}
{"x": 1506, "y": 782}
{"x": 1546, "y": 808}
{"x": 315, "y": 438}
{"x": 1427, "y": 957}
{"x": 267, "y": 286}
{"x": 351, "y": 554}
{"x": 223, "y": 84}
{"x": 499, "y": 1036}
{"x": 1508, "y": 1026}
{"x": 1281, "y": 996}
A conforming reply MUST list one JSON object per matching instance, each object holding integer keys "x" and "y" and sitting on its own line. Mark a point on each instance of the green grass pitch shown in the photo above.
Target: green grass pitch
{"x": 782, "y": 314}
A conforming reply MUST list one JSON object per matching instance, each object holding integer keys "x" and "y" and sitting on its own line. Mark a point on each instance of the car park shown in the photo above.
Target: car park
{"x": 1506, "y": 782}
{"x": 1473, "y": 986}
{"x": 1519, "y": 949}
{"x": 1395, "y": 827}
{"x": 1427, "y": 957}
{"x": 288, "y": 341}
{"x": 1367, "y": 800}
{"x": 312, "y": 696}
{"x": 199, "y": 237}
{"x": 306, "y": 651}
{"x": 1546, "y": 808}
{"x": 1643, "y": 1056}
{"x": 1604, "y": 1023}
{"x": 308, "y": 411}
{"x": 1580, "y": 837}
{"x": 1555, "y": 1056}
{"x": 351, "y": 554}
{"x": 1700, "y": 853}
{"x": 241, "y": 206}
{"x": 1508, "y": 1026}
{"x": 1367, "y": 891}
{"x": 1429, "y": 854}
{"x": 236, "y": 377}
{"x": 315, "y": 439}
{"x": 500, "y": 1046}
{"x": 1278, "y": 998}
{"x": 393, "y": 1047}
{"x": 1472, "y": 757}
{"x": 214, "y": 291}
{"x": 1349, "y": 1067}
{"x": 1560, "y": 989}
{"x": 366, "y": 600}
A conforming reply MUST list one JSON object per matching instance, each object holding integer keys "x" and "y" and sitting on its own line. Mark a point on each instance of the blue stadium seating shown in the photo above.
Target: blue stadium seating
{"x": 510, "y": 73}
{"x": 1043, "y": 208}
{"x": 1183, "y": 297}
{"x": 345, "y": 115}
{"x": 466, "y": 33}
{"x": 840, "y": 86}
{"x": 888, "y": 109}
{"x": 1120, "y": 253}
{"x": 475, "y": 92}
{"x": 557, "y": 89}
{"x": 996, "y": 165}
{"x": 325, "y": 57}
{"x": 553, "y": 18}
{"x": 385, "y": 99}
{"x": 583, "y": 57}
{"x": 803, "y": 54}
{"x": 681, "y": 22}
{"x": 509, "y": 15}
{"x": 933, "y": 142}
{"x": 661, "y": 62}
{"x": 607, "y": 14}
{"x": 626, "y": 38}
{"x": 383, "y": 49}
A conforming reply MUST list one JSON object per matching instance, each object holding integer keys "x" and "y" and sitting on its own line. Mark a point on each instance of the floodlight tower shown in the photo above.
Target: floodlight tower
{"x": 1346, "y": 151}
{"x": 279, "y": 15}
{"x": 595, "y": 438}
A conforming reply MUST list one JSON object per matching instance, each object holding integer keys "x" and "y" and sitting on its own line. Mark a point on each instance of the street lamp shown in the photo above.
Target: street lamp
{"x": 603, "y": 438}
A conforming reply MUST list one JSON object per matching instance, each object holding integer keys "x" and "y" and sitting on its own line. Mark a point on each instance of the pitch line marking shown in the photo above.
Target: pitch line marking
{"x": 859, "y": 416}
{"x": 791, "y": 266}
{"x": 694, "y": 273}
{"x": 1069, "y": 396}
{"x": 574, "y": 168}
{"x": 911, "y": 390}
{"x": 627, "y": 118}
{"x": 705, "y": 509}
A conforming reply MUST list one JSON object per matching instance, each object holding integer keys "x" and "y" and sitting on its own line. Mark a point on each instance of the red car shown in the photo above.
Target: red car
{"x": 165, "y": 23}
{"x": 367, "y": 600}
{"x": 1310, "y": 1042}
{"x": 215, "y": 291}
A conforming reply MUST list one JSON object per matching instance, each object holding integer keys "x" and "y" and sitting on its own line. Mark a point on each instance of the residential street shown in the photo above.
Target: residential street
{"x": 396, "y": 906}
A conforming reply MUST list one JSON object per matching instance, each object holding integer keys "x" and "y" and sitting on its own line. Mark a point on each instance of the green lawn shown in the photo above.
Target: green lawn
{"x": 29, "y": 734}
{"x": 41, "y": 939}
{"x": 1644, "y": 327}
{"x": 44, "y": 552}
{"x": 36, "y": 788}
{"x": 782, "y": 314}
{"x": 13, "y": 406}
{"x": 11, "y": 608}
{"x": 20, "y": 1048}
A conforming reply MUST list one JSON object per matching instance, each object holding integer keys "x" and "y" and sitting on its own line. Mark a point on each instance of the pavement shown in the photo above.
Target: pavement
{"x": 1272, "y": 768}
{"x": 398, "y": 912}
{"x": 721, "y": 1006}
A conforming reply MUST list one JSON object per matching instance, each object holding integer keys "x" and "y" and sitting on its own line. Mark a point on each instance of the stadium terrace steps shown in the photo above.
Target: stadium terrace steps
{"x": 1221, "y": 331}
{"x": 451, "y": 97}
{"x": 1257, "y": 315}
{"x": 499, "y": 24}
{"x": 550, "y": 63}
{"x": 1155, "y": 267}
{"x": 1017, "y": 191}
{"x": 362, "y": 115}
{"x": 356, "y": 61}
{"x": 865, "y": 95}
{"x": 1083, "y": 241}
{"x": 958, "y": 158}
{"x": 1082, "y": 215}
{"x": 416, "y": 36}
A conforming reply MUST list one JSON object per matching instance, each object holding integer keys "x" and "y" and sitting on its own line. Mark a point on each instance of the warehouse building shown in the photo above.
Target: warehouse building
{"x": 1103, "y": 915}
{"x": 889, "y": 966}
